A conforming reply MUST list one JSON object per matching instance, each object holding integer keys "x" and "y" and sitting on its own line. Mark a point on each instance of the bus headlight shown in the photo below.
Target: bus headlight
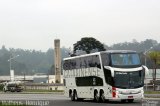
{"x": 131, "y": 92}
{"x": 139, "y": 91}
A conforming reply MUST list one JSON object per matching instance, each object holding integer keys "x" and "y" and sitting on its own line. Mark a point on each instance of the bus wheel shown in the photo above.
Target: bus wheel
{"x": 130, "y": 100}
{"x": 102, "y": 97}
{"x": 75, "y": 95}
{"x": 72, "y": 96}
{"x": 96, "y": 97}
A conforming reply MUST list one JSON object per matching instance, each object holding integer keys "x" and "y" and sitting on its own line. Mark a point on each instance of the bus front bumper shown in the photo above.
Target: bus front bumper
{"x": 129, "y": 96}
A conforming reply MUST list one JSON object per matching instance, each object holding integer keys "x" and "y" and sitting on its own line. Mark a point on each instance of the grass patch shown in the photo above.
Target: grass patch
{"x": 1, "y": 87}
{"x": 11, "y": 104}
{"x": 152, "y": 92}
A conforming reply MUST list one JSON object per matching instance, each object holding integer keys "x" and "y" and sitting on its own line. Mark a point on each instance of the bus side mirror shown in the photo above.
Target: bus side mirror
{"x": 111, "y": 69}
{"x": 146, "y": 70}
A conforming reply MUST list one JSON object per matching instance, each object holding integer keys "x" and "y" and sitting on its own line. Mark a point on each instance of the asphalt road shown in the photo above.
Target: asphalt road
{"x": 60, "y": 100}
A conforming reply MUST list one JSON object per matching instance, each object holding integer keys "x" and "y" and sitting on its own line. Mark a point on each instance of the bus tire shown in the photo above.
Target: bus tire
{"x": 70, "y": 92}
{"x": 130, "y": 100}
{"x": 72, "y": 97}
{"x": 75, "y": 95}
{"x": 102, "y": 97}
{"x": 96, "y": 97}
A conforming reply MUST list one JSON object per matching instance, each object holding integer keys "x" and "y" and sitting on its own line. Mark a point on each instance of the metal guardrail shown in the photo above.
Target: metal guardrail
{"x": 151, "y": 87}
{"x": 43, "y": 84}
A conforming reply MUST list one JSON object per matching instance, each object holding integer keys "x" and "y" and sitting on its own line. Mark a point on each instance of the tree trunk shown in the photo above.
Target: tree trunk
{"x": 154, "y": 80}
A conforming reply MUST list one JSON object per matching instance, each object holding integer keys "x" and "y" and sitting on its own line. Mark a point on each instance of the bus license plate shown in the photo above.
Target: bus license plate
{"x": 130, "y": 97}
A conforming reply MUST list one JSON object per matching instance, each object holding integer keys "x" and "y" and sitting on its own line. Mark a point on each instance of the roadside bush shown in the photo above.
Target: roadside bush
{"x": 1, "y": 87}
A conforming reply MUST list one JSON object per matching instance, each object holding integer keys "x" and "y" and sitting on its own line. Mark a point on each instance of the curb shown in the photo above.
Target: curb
{"x": 157, "y": 99}
{"x": 152, "y": 95}
{"x": 60, "y": 93}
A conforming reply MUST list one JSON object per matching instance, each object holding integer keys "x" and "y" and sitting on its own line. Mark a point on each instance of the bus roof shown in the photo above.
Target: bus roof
{"x": 119, "y": 51}
{"x": 98, "y": 53}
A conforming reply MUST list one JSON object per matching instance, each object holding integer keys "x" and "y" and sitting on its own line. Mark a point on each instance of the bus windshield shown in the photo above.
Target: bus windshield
{"x": 129, "y": 80}
{"x": 125, "y": 59}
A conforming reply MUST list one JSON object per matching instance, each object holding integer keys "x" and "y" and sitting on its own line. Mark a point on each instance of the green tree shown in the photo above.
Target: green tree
{"x": 155, "y": 57}
{"x": 88, "y": 44}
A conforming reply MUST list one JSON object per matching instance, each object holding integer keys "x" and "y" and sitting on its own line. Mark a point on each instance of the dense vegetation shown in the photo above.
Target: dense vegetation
{"x": 31, "y": 61}
{"x": 88, "y": 44}
{"x": 28, "y": 61}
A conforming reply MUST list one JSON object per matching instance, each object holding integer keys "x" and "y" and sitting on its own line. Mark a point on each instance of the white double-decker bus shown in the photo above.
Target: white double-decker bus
{"x": 107, "y": 75}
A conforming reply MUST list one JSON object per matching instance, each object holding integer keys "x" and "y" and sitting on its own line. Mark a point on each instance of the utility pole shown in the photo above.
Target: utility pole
{"x": 24, "y": 81}
{"x": 48, "y": 79}
{"x": 10, "y": 66}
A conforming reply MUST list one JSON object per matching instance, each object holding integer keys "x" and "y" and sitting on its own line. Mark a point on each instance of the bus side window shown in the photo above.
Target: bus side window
{"x": 65, "y": 65}
{"x": 105, "y": 59}
{"x": 91, "y": 61}
{"x": 83, "y": 62}
{"x": 94, "y": 61}
{"x": 89, "y": 81}
{"x": 77, "y": 63}
{"x": 80, "y": 63}
{"x": 73, "y": 64}
{"x": 69, "y": 64}
{"x": 97, "y": 62}
{"x": 108, "y": 77}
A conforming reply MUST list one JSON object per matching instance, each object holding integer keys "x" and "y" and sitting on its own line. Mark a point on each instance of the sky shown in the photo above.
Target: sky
{"x": 34, "y": 24}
